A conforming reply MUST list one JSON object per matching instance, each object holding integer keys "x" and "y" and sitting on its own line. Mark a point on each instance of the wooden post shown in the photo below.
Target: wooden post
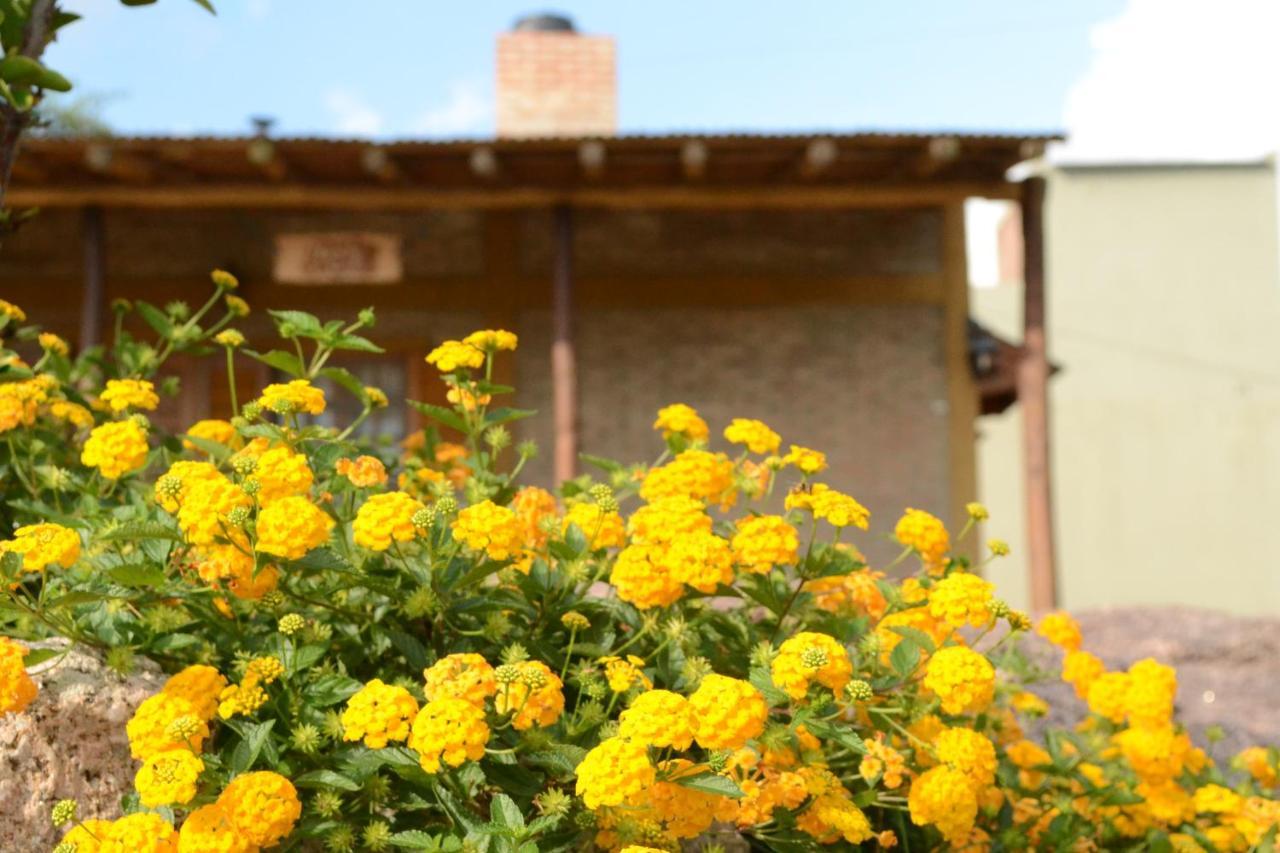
{"x": 95, "y": 267}
{"x": 1033, "y": 394}
{"x": 564, "y": 371}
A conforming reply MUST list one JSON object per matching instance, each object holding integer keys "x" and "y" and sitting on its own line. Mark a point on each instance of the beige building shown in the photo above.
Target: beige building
{"x": 1164, "y": 319}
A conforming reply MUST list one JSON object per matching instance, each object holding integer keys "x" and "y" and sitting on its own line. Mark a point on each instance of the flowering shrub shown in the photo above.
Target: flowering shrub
{"x": 460, "y": 662}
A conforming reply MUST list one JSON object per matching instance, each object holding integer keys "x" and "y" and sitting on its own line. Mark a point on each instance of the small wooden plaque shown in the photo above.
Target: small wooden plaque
{"x": 338, "y": 257}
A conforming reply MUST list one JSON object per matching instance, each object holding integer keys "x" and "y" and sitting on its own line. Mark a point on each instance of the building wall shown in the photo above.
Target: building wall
{"x": 1164, "y": 300}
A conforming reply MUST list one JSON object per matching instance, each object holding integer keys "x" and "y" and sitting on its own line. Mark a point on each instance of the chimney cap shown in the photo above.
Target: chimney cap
{"x": 544, "y": 22}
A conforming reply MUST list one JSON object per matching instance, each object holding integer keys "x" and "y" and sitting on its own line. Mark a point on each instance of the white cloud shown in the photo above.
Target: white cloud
{"x": 352, "y": 114}
{"x": 1179, "y": 80}
{"x": 466, "y": 110}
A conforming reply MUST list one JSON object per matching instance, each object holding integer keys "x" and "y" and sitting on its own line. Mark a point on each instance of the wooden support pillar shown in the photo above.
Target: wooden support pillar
{"x": 1033, "y": 394}
{"x": 95, "y": 270}
{"x": 564, "y": 370}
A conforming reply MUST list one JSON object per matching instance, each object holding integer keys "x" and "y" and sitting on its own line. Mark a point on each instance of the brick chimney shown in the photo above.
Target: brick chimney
{"x": 554, "y": 81}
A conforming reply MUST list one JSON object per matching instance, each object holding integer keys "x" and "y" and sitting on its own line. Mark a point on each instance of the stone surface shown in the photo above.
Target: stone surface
{"x": 1228, "y": 668}
{"x": 69, "y": 743}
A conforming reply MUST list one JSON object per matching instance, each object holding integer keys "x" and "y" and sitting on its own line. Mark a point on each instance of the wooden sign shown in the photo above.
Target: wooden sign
{"x": 338, "y": 257}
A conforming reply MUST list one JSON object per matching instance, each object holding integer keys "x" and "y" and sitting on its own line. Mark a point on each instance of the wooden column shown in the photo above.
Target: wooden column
{"x": 95, "y": 270}
{"x": 564, "y": 370}
{"x": 1033, "y": 394}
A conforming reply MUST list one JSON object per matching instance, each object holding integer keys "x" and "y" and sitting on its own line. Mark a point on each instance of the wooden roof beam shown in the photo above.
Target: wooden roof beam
{"x": 939, "y": 153}
{"x": 693, "y": 160}
{"x": 379, "y": 163}
{"x": 264, "y": 154}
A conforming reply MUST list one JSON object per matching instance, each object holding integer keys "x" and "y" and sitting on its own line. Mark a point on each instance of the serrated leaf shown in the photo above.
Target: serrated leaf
{"x": 504, "y": 812}
{"x": 326, "y": 779}
{"x": 602, "y": 463}
{"x": 905, "y": 658}
{"x": 761, "y": 680}
{"x": 283, "y": 361}
{"x": 345, "y": 379}
{"x": 415, "y": 653}
{"x": 711, "y": 783}
{"x": 331, "y": 689}
{"x": 448, "y": 417}
{"x": 35, "y": 657}
{"x": 132, "y": 531}
{"x": 506, "y": 415}
{"x": 915, "y": 635}
{"x": 137, "y": 575}
{"x": 253, "y": 739}
{"x": 304, "y": 323}
{"x": 414, "y": 839}
{"x": 156, "y": 319}
{"x": 356, "y": 343}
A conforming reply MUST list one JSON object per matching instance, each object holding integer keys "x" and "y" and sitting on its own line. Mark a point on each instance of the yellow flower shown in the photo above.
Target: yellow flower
{"x": 229, "y": 338}
{"x": 42, "y": 544}
{"x": 1152, "y": 689}
{"x": 534, "y": 507}
{"x": 837, "y": 508}
{"x": 208, "y": 829}
{"x": 115, "y": 449}
{"x": 1259, "y": 763}
{"x": 172, "y": 488}
{"x": 621, "y": 673}
{"x": 998, "y": 547}
{"x": 961, "y": 599}
{"x": 536, "y": 697}
{"x": 756, "y": 435}
{"x": 453, "y": 355}
{"x": 364, "y": 471}
{"x": 963, "y": 679}
{"x": 643, "y": 577}
{"x": 88, "y": 836}
{"x": 54, "y": 344}
{"x": 464, "y": 675}
{"x": 200, "y": 685}
{"x": 20, "y": 403}
{"x": 764, "y": 541}
{"x": 602, "y": 529}
{"x": 727, "y": 712}
{"x": 224, "y": 280}
{"x": 121, "y": 394}
{"x": 298, "y": 395}
{"x": 292, "y": 526}
{"x": 236, "y": 306}
{"x": 143, "y": 832}
{"x": 13, "y": 312}
{"x": 1061, "y": 630}
{"x": 1029, "y": 704}
{"x": 809, "y": 657}
{"x": 282, "y": 473}
{"x": 1107, "y": 695}
{"x": 832, "y": 815}
{"x": 882, "y": 761}
{"x": 697, "y": 474}
{"x": 492, "y": 340}
{"x": 17, "y": 689}
{"x": 379, "y": 713}
{"x": 679, "y": 419}
{"x": 976, "y": 511}
{"x": 808, "y": 461}
{"x": 1080, "y": 669}
{"x": 168, "y": 777}
{"x": 945, "y": 798}
{"x": 448, "y": 730}
{"x": 489, "y": 528}
{"x": 1215, "y": 799}
{"x": 73, "y": 413}
{"x": 206, "y": 501}
{"x": 263, "y": 807}
{"x": 658, "y": 718}
{"x": 668, "y": 518}
{"x": 384, "y": 519}
{"x": 613, "y": 772}
{"x": 968, "y": 751}
{"x": 924, "y": 534}
{"x": 148, "y": 728}
{"x": 214, "y": 430}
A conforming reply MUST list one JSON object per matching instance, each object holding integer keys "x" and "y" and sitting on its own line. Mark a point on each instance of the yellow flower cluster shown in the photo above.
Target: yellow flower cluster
{"x": 451, "y": 356}
{"x": 123, "y": 394}
{"x": 727, "y": 712}
{"x": 150, "y": 728}
{"x": 698, "y": 474}
{"x": 384, "y": 519}
{"x": 658, "y": 718}
{"x": 827, "y": 504}
{"x": 683, "y": 420}
{"x": 602, "y": 529}
{"x": 292, "y": 526}
{"x": 363, "y": 472}
{"x": 17, "y": 689}
{"x": 755, "y": 435}
{"x": 533, "y": 694}
{"x": 464, "y": 675}
{"x": 806, "y": 459}
{"x": 492, "y": 340}
{"x": 807, "y": 658}
{"x": 764, "y": 541}
{"x": 249, "y": 695}
{"x": 613, "y": 772}
{"x": 261, "y": 808}
{"x": 281, "y": 473}
{"x": 961, "y": 678}
{"x": 215, "y": 430}
{"x": 115, "y": 449}
{"x": 199, "y": 684}
{"x": 924, "y": 534}
{"x": 379, "y": 713}
{"x": 43, "y": 544}
{"x": 168, "y": 777}
{"x": 295, "y": 396}
{"x": 490, "y": 528}
{"x": 961, "y": 599}
{"x": 20, "y": 403}
{"x": 448, "y": 730}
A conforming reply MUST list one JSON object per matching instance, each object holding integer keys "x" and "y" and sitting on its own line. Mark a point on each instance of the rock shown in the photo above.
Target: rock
{"x": 1228, "y": 668}
{"x": 70, "y": 743}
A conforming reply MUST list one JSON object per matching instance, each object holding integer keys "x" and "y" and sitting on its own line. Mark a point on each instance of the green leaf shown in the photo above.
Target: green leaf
{"x": 331, "y": 689}
{"x": 915, "y": 635}
{"x": 20, "y": 70}
{"x": 905, "y": 658}
{"x": 35, "y": 657}
{"x": 600, "y": 462}
{"x": 136, "y": 575}
{"x": 173, "y": 642}
{"x": 252, "y": 740}
{"x": 155, "y": 318}
{"x": 411, "y": 647}
{"x": 711, "y": 783}
{"x": 357, "y": 344}
{"x": 1114, "y": 796}
{"x": 304, "y": 324}
{"x": 326, "y": 779}
{"x": 507, "y": 415}
{"x": 344, "y": 378}
{"x": 761, "y": 680}
{"x": 279, "y": 359}
{"x": 448, "y": 417}
{"x": 504, "y": 812}
{"x": 53, "y": 81}
{"x": 134, "y": 530}
{"x": 414, "y": 839}
{"x": 207, "y": 5}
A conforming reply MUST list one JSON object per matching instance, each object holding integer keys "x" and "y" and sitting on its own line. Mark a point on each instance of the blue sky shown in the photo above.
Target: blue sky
{"x": 395, "y": 68}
